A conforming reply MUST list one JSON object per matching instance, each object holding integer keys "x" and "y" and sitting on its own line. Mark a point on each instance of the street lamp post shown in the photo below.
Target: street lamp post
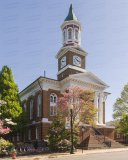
{"x": 71, "y": 107}
{"x": 82, "y": 137}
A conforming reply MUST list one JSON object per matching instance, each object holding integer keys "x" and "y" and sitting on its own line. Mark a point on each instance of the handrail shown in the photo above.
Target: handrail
{"x": 107, "y": 143}
{"x": 102, "y": 134}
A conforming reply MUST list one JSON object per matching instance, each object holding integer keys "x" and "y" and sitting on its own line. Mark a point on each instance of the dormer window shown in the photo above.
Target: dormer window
{"x": 70, "y": 33}
{"x": 64, "y": 36}
{"x": 76, "y": 34}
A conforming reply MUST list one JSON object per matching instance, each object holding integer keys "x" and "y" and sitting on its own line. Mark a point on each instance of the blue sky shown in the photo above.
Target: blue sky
{"x": 30, "y": 37}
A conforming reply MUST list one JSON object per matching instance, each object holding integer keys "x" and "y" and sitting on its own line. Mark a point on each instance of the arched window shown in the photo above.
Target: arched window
{"x": 76, "y": 34}
{"x": 64, "y": 36}
{"x": 39, "y": 106}
{"x": 53, "y": 101}
{"x": 31, "y": 109}
{"x": 70, "y": 33}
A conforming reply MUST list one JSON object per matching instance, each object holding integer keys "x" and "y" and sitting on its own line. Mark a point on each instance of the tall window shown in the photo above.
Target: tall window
{"x": 31, "y": 109}
{"x": 76, "y": 34}
{"x": 70, "y": 33}
{"x": 29, "y": 134}
{"x": 64, "y": 36}
{"x": 25, "y": 106}
{"x": 17, "y": 136}
{"x": 39, "y": 106}
{"x": 13, "y": 138}
{"x": 53, "y": 100}
{"x": 118, "y": 135}
{"x": 37, "y": 133}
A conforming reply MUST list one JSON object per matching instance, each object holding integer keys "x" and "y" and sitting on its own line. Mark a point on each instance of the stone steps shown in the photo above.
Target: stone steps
{"x": 97, "y": 141}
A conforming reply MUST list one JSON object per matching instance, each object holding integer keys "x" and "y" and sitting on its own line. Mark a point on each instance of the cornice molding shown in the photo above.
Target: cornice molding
{"x": 63, "y": 50}
{"x": 70, "y": 80}
{"x": 89, "y": 73}
{"x": 72, "y": 67}
{"x": 45, "y": 83}
{"x": 71, "y": 22}
{"x": 94, "y": 85}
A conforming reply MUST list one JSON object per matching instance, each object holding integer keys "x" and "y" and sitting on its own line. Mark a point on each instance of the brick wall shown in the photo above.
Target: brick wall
{"x": 119, "y": 137}
{"x": 86, "y": 135}
{"x": 108, "y": 132}
{"x": 45, "y": 113}
{"x": 69, "y": 59}
{"x": 66, "y": 73}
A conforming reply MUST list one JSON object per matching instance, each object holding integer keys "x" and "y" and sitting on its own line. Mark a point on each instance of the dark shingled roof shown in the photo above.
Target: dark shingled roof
{"x": 71, "y": 14}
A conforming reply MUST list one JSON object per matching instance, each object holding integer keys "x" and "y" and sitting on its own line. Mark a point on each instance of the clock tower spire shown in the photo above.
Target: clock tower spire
{"x": 71, "y": 29}
{"x": 71, "y": 57}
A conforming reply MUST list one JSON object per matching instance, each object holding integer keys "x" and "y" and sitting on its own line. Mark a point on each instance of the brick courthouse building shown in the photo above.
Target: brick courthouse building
{"x": 40, "y": 97}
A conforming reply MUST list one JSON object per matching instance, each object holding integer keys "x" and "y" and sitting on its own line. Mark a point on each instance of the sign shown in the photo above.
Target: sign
{"x": 67, "y": 123}
{"x": 82, "y": 128}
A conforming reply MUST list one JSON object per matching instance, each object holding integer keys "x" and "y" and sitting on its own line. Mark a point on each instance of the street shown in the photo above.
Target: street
{"x": 100, "y": 156}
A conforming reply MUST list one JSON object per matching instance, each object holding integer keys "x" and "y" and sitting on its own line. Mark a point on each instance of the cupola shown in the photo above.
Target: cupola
{"x": 71, "y": 29}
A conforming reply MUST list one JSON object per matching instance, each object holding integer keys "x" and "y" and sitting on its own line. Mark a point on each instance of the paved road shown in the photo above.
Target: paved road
{"x": 100, "y": 156}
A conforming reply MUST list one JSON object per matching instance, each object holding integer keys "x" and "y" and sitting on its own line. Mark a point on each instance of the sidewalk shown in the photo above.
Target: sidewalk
{"x": 78, "y": 153}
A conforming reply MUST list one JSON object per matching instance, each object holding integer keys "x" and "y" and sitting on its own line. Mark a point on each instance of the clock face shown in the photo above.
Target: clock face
{"x": 63, "y": 61}
{"x": 77, "y": 61}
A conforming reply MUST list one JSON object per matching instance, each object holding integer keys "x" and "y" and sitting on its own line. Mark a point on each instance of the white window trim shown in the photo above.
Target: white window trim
{"x": 77, "y": 35}
{"x": 31, "y": 114}
{"x": 37, "y": 135}
{"x": 29, "y": 134}
{"x": 38, "y": 115}
{"x": 118, "y": 135}
{"x": 52, "y": 104}
{"x": 63, "y": 35}
{"x": 71, "y": 33}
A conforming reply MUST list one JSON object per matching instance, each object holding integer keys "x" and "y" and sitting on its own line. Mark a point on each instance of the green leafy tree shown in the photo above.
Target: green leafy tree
{"x": 123, "y": 124}
{"x": 57, "y": 132}
{"x": 13, "y": 109}
{"x": 121, "y": 105}
{"x": 83, "y": 110}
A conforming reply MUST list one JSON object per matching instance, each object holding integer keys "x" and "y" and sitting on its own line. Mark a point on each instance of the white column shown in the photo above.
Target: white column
{"x": 96, "y": 104}
{"x": 101, "y": 108}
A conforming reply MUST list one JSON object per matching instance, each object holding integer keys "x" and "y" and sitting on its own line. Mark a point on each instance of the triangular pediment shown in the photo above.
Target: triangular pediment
{"x": 90, "y": 78}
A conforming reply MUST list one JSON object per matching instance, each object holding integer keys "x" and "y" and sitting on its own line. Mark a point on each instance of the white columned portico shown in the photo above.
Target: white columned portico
{"x": 96, "y": 105}
{"x": 101, "y": 108}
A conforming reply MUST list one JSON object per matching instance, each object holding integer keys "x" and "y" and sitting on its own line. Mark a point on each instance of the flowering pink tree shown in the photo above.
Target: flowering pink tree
{"x": 3, "y": 129}
{"x": 83, "y": 110}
